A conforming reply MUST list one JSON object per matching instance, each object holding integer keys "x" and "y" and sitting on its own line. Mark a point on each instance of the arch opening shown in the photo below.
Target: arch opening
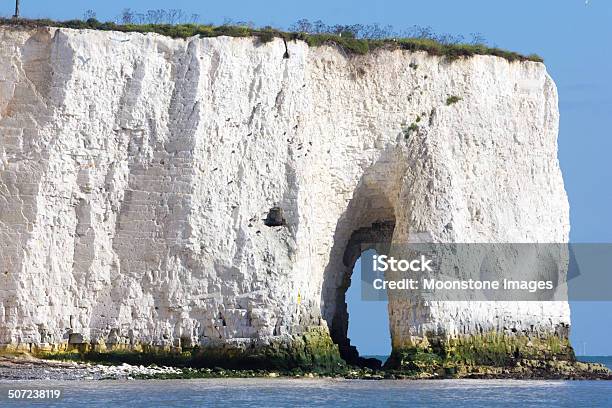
{"x": 368, "y": 328}
{"x": 368, "y": 222}
{"x": 361, "y": 240}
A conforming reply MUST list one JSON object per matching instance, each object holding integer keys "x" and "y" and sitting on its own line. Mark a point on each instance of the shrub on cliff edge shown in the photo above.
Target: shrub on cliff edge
{"x": 354, "y": 39}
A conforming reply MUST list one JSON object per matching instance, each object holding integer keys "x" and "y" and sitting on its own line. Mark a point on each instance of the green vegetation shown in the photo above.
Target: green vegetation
{"x": 452, "y": 99}
{"x": 312, "y": 354}
{"x": 411, "y": 129}
{"x": 499, "y": 350}
{"x": 355, "y": 39}
{"x": 313, "y": 350}
{"x": 484, "y": 350}
{"x": 455, "y": 51}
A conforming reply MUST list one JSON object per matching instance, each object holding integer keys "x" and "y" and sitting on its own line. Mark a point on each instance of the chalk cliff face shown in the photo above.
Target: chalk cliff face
{"x": 137, "y": 172}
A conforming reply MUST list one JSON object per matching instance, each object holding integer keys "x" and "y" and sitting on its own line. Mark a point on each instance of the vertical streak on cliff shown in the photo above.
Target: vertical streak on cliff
{"x": 32, "y": 89}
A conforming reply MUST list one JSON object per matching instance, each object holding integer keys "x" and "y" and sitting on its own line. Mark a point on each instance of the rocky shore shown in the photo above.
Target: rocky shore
{"x": 25, "y": 367}
{"x": 31, "y": 368}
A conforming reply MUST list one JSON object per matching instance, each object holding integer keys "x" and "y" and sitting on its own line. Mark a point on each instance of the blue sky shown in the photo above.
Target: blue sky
{"x": 574, "y": 38}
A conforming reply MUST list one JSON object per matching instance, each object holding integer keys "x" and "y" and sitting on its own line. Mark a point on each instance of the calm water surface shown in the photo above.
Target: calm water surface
{"x": 282, "y": 392}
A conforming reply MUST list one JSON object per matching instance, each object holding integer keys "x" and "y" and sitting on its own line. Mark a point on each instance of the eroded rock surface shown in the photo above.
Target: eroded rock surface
{"x": 137, "y": 173}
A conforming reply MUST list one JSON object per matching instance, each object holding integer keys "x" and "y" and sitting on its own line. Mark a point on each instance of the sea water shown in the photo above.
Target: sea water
{"x": 283, "y": 392}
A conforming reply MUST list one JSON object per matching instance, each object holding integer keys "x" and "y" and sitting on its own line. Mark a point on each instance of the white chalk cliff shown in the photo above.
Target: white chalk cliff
{"x": 136, "y": 172}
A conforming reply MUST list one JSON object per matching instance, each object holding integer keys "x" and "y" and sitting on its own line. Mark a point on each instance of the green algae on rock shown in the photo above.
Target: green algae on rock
{"x": 313, "y": 350}
{"x": 490, "y": 353}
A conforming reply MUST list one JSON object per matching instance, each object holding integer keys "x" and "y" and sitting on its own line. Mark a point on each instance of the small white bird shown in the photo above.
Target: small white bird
{"x": 586, "y": 2}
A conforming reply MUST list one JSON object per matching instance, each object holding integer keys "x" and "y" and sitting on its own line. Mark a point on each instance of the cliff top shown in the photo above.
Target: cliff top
{"x": 345, "y": 40}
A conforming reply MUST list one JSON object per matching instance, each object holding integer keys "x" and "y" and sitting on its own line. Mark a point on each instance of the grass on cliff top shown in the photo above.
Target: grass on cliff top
{"x": 350, "y": 44}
